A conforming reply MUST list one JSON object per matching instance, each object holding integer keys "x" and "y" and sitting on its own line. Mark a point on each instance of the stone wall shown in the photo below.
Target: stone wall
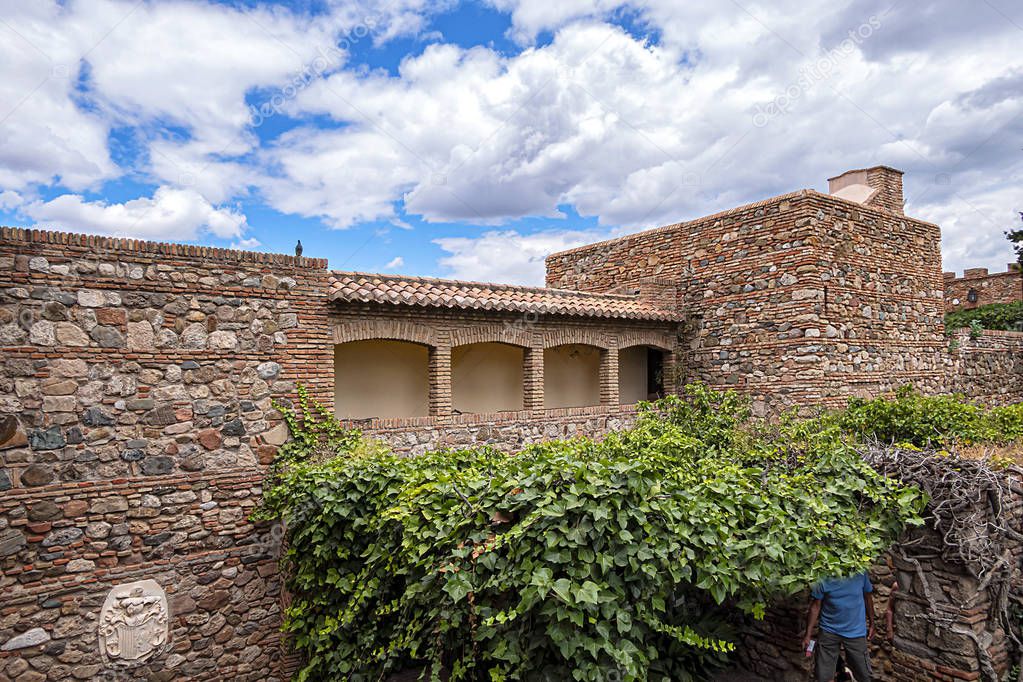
{"x": 803, "y": 298}
{"x": 994, "y": 287}
{"x": 135, "y": 415}
{"x": 136, "y": 424}
{"x": 989, "y": 367}
{"x": 511, "y": 432}
{"x": 919, "y": 652}
{"x": 881, "y": 277}
{"x": 137, "y": 380}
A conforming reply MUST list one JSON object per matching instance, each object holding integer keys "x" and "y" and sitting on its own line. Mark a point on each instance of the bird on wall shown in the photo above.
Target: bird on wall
{"x": 298, "y": 248}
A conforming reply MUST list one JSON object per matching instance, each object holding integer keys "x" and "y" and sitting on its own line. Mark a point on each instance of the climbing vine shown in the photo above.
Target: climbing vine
{"x": 965, "y": 457}
{"x": 572, "y": 559}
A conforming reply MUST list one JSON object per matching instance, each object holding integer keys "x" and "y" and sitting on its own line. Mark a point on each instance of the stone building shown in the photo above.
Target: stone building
{"x": 803, "y": 298}
{"x": 137, "y": 380}
{"x": 979, "y": 287}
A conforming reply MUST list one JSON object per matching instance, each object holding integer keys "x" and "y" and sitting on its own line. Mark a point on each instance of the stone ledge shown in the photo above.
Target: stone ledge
{"x": 98, "y": 244}
{"x": 497, "y": 418}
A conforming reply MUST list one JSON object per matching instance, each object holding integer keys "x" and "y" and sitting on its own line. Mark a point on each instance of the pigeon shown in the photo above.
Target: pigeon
{"x": 298, "y": 248}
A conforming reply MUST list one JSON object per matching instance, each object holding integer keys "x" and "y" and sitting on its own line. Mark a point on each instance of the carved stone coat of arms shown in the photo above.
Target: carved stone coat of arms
{"x": 133, "y": 624}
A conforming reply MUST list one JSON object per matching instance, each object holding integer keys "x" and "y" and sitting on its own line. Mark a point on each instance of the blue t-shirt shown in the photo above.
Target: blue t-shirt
{"x": 843, "y": 612}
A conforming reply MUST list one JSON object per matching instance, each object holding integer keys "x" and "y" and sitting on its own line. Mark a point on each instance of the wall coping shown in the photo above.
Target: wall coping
{"x": 479, "y": 419}
{"x": 797, "y": 194}
{"x": 118, "y": 245}
{"x": 992, "y": 334}
{"x": 951, "y": 276}
{"x": 680, "y": 224}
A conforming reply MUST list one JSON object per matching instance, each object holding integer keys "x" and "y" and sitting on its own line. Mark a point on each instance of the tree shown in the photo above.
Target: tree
{"x": 1016, "y": 238}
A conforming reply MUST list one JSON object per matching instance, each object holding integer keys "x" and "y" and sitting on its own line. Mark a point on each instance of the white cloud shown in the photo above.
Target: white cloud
{"x": 639, "y": 134}
{"x": 44, "y": 136}
{"x": 170, "y": 214}
{"x": 508, "y": 256}
{"x": 973, "y": 222}
{"x": 394, "y": 263}
{"x": 176, "y": 71}
{"x": 246, "y": 244}
{"x": 632, "y": 132}
{"x": 9, "y": 199}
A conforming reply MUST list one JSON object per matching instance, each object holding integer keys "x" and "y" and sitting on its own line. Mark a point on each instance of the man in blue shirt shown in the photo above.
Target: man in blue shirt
{"x": 845, "y": 610}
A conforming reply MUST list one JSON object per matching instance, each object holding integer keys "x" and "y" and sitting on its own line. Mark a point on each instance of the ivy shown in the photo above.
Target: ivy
{"x": 573, "y": 559}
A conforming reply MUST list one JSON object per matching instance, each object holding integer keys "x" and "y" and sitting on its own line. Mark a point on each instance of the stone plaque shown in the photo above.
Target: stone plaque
{"x": 133, "y": 622}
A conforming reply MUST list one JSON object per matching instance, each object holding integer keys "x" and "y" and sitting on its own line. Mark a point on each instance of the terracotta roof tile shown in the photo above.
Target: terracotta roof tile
{"x": 359, "y": 287}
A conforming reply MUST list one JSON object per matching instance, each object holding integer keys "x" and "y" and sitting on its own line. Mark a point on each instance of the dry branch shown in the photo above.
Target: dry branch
{"x": 971, "y": 508}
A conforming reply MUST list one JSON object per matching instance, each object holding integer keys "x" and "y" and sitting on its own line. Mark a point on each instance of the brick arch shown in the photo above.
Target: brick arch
{"x": 561, "y": 337}
{"x": 397, "y": 330}
{"x": 655, "y": 339}
{"x": 491, "y": 334}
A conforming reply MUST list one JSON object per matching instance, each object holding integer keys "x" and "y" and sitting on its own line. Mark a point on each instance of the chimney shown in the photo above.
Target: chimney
{"x": 879, "y": 186}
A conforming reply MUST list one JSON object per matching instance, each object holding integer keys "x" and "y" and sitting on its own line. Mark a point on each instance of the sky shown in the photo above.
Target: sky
{"x": 470, "y": 140}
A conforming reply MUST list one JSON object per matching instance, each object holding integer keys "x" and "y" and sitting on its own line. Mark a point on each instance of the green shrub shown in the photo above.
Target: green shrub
{"x": 999, "y": 316}
{"x": 573, "y": 559}
{"x": 1006, "y": 423}
{"x": 912, "y": 418}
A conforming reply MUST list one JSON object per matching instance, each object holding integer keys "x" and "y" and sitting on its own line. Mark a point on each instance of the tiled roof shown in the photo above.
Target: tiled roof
{"x": 359, "y": 287}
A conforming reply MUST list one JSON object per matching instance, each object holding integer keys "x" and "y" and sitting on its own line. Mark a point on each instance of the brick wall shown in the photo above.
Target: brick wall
{"x": 135, "y": 393}
{"x": 136, "y": 382}
{"x": 993, "y": 287}
{"x": 919, "y": 652}
{"x": 136, "y": 423}
{"x": 988, "y": 368}
{"x": 803, "y": 298}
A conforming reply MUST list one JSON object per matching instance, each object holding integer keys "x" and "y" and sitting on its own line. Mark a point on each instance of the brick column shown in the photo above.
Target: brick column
{"x": 609, "y": 377}
{"x": 669, "y": 372}
{"x": 440, "y": 381}
{"x": 532, "y": 378}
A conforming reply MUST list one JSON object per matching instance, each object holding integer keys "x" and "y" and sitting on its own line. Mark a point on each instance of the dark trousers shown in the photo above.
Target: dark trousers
{"x": 856, "y": 656}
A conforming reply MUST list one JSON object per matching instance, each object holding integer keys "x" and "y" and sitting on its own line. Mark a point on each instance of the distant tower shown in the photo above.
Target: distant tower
{"x": 298, "y": 248}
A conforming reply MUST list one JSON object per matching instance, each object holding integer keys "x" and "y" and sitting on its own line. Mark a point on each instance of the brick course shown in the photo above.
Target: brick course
{"x": 990, "y": 287}
{"x": 137, "y": 380}
{"x": 136, "y": 423}
{"x": 803, "y": 298}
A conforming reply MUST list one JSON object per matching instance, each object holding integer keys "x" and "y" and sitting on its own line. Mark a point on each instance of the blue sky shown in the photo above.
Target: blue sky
{"x": 471, "y": 139}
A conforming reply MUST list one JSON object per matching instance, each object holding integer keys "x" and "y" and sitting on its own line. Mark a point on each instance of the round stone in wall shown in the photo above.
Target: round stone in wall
{"x": 133, "y": 624}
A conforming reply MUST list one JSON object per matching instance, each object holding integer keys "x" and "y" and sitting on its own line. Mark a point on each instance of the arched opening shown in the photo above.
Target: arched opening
{"x": 640, "y": 374}
{"x": 381, "y": 378}
{"x": 486, "y": 377}
{"x": 571, "y": 375}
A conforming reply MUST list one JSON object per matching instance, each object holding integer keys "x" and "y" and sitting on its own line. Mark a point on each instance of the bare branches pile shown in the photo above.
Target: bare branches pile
{"x": 975, "y": 508}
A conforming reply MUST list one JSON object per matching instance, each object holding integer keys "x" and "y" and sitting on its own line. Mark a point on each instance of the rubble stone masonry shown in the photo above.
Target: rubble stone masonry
{"x": 137, "y": 383}
{"x": 136, "y": 424}
{"x": 987, "y": 366}
{"x": 803, "y": 298}
{"x": 983, "y": 286}
{"x": 135, "y": 398}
